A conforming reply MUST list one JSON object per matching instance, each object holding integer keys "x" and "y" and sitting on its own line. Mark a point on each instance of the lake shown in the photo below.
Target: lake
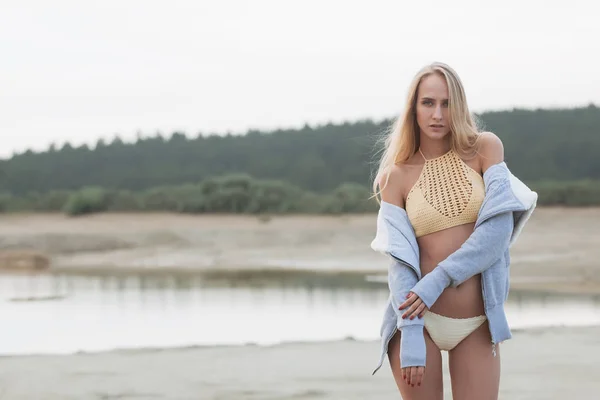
{"x": 69, "y": 313}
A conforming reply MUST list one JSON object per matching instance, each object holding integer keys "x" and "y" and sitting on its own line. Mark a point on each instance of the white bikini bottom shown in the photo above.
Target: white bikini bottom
{"x": 448, "y": 332}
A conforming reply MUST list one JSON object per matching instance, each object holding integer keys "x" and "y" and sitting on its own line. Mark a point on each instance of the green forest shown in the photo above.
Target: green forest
{"x": 315, "y": 169}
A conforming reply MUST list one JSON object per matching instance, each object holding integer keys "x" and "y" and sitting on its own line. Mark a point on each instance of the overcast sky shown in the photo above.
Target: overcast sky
{"x": 80, "y": 70}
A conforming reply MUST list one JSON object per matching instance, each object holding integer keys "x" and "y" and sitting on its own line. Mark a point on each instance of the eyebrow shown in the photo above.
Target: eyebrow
{"x": 430, "y": 98}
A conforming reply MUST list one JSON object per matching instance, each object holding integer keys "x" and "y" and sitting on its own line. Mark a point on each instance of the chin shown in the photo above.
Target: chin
{"x": 436, "y": 135}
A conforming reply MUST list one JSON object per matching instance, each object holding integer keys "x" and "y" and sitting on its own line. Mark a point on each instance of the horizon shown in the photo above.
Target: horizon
{"x": 317, "y": 125}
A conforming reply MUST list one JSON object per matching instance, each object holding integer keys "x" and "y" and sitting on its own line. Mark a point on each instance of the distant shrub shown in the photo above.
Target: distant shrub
{"x": 273, "y": 197}
{"x": 5, "y": 202}
{"x": 571, "y": 194}
{"x": 54, "y": 200}
{"x": 353, "y": 197}
{"x": 227, "y": 194}
{"x": 189, "y": 198}
{"x": 123, "y": 200}
{"x": 87, "y": 200}
{"x": 159, "y": 199}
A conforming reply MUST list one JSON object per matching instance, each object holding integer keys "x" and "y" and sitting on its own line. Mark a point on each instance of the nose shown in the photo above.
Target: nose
{"x": 437, "y": 113}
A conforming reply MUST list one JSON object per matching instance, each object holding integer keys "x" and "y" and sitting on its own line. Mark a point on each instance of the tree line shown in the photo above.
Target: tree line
{"x": 300, "y": 170}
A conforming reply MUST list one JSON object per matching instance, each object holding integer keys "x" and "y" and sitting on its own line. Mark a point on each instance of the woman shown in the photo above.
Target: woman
{"x": 450, "y": 210}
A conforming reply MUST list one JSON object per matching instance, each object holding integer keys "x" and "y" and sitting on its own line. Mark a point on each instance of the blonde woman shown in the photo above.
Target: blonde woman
{"x": 449, "y": 211}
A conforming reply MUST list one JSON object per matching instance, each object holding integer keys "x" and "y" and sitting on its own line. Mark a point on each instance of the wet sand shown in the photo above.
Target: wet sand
{"x": 548, "y": 364}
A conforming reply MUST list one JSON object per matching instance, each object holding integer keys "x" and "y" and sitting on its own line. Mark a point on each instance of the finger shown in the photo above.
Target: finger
{"x": 420, "y": 375}
{"x": 412, "y": 308}
{"x": 407, "y": 302}
{"x": 409, "y": 311}
{"x": 413, "y": 376}
{"x": 425, "y": 309}
{"x": 414, "y": 303}
{"x": 418, "y": 311}
{"x": 404, "y": 374}
{"x": 412, "y": 312}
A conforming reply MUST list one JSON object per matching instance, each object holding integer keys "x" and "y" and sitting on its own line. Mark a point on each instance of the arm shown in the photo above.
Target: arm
{"x": 401, "y": 279}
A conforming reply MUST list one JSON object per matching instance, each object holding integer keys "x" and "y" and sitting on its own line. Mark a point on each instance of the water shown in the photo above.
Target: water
{"x": 61, "y": 314}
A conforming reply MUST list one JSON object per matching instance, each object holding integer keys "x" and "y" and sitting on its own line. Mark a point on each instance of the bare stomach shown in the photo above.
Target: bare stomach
{"x": 465, "y": 300}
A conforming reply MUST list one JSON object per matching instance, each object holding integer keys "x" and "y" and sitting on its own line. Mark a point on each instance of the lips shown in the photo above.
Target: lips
{"x": 436, "y": 126}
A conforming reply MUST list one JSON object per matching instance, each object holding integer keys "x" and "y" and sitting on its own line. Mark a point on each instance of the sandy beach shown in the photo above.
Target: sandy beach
{"x": 548, "y": 364}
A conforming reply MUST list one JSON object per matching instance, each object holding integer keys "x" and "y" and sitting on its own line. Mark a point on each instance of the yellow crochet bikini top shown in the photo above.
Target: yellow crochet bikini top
{"x": 447, "y": 193}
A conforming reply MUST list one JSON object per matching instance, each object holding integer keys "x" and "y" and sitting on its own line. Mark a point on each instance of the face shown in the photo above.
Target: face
{"x": 432, "y": 107}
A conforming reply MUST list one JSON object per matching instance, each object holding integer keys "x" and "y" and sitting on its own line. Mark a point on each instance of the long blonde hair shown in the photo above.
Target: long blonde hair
{"x": 403, "y": 138}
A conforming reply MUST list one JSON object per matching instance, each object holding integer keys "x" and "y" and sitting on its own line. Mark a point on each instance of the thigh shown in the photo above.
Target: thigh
{"x": 432, "y": 387}
{"x": 474, "y": 371}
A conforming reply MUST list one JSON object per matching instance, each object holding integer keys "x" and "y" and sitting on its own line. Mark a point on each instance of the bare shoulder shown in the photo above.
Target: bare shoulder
{"x": 392, "y": 186}
{"x": 491, "y": 150}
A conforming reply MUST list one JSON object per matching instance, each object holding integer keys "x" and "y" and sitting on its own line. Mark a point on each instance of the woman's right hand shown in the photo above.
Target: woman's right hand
{"x": 413, "y": 375}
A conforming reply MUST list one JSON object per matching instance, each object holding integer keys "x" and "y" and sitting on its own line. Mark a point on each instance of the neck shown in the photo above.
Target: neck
{"x": 434, "y": 148}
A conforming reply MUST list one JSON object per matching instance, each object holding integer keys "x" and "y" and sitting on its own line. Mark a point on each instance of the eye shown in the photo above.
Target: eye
{"x": 445, "y": 104}
{"x": 427, "y": 102}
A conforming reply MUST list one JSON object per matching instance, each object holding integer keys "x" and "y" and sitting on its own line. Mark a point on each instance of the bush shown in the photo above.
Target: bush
{"x": 87, "y": 200}
{"x": 227, "y": 194}
{"x": 123, "y": 200}
{"x": 5, "y": 202}
{"x": 53, "y": 201}
{"x": 273, "y": 197}
{"x": 570, "y": 194}
{"x": 242, "y": 194}
{"x": 353, "y": 197}
{"x": 159, "y": 199}
{"x": 189, "y": 198}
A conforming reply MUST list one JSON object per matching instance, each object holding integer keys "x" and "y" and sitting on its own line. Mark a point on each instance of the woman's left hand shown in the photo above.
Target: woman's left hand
{"x": 416, "y": 307}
